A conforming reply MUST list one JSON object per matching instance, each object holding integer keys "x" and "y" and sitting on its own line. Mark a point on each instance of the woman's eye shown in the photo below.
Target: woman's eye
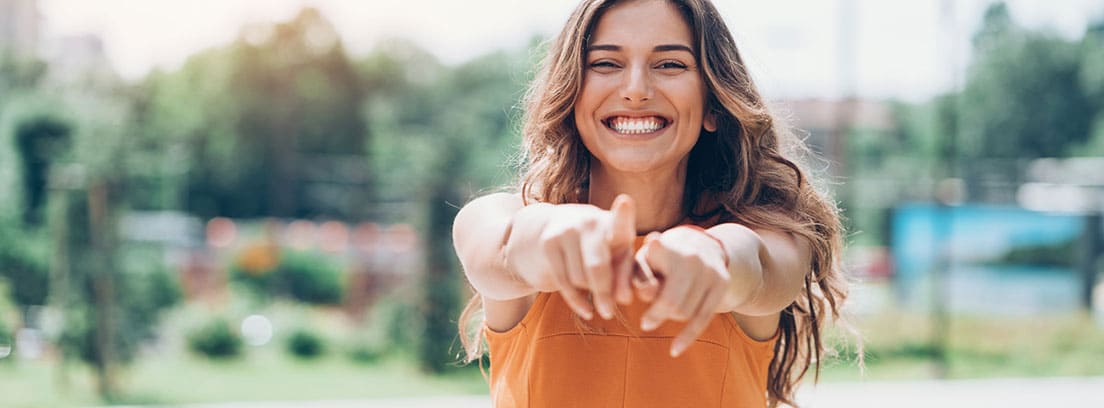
{"x": 603, "y": 66}
{"x": 671, "y": 65}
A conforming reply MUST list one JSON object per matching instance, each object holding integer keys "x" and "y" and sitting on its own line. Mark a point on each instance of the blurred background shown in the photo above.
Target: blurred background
{"x": 252, "y": 200}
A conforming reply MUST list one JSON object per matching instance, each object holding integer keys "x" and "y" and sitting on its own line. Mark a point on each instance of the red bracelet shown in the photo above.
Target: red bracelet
{"x": 724, "y": 251}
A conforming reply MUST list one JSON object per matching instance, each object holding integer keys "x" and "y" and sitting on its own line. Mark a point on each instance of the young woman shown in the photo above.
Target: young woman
{"x": 663, "y": 249}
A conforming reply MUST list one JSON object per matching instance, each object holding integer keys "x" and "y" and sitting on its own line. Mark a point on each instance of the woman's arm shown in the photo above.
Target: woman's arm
{"x": 766, "y": 268}
{"x": 511, "y": 251}
{"x": 729, "y": 268}
{"x": 479, "y": 234}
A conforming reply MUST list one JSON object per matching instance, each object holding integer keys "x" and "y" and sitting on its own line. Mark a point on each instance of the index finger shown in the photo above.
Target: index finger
{"x": 599, "y": 275}
{"x": 697, "y": 324}
{"x": 623, "y": 227}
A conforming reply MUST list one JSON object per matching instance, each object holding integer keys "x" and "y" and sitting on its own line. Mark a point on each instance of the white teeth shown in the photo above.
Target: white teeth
{"x": 635, "y": 126}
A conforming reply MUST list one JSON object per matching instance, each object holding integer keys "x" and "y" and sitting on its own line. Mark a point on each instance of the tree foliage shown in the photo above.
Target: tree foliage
{"x": 1027, "y": 92}
{"x": 269, "y": 125}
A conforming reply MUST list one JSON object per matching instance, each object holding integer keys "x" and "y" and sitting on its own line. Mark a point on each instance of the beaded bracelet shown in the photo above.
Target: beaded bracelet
{"x": 724, "y": 250}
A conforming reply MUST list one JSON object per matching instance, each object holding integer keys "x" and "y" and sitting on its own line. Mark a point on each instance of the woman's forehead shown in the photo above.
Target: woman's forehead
{"x": 642, "y": 22}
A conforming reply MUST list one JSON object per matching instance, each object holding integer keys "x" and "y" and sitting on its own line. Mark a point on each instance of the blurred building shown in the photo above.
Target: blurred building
{"x": 78, "y": 59}
{"x": 73, "y": 59}
{"x": 1071, "y": 185}
{"x": 20, "y": 26}
{"x": 824, "y": 123}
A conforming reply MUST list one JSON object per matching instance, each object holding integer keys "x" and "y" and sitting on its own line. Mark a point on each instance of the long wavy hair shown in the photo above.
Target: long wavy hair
{"x": 747, "y": 171}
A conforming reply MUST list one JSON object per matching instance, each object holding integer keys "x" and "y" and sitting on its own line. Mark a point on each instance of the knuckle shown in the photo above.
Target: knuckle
{"x": 694, "y": 261}
{"x": 551, "y": 239}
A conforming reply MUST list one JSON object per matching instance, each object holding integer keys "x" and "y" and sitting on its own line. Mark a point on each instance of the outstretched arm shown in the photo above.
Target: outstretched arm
{"x": 479, "y": 233}
{"x": 510, "y": 251}
{"x": 766, "y": 268}
{"x": 728, "y": 268}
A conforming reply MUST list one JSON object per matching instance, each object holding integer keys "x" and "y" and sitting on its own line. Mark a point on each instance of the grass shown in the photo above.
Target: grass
{"x": 262, "y": 375}
{"x": 898, "y": 347}
{"x": 170, "y": 374}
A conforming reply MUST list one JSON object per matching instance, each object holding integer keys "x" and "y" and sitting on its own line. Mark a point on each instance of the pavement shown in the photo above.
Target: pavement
{"x": 1005, "y": 393}
{"x": 1012, "y": 393}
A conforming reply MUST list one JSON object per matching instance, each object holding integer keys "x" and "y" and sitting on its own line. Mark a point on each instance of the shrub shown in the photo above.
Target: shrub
{"x": 6, "y": 341}
{"x": 216, "y": 340}
{"x": 365, "y": 353}
{"x": 311, "y": 278}
{"x": 305, "y": 344}
{"x": 304, "y": 276}
{"x": 24, "y": 261}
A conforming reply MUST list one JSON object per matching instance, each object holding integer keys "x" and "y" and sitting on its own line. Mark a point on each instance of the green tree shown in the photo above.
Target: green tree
{"x": 441, "y": 135}
{"x": 1023, "y": 96}
{"x": 38, "y": 141}
{"x": 69, "y": 142}
{"x": 269, "y": 125}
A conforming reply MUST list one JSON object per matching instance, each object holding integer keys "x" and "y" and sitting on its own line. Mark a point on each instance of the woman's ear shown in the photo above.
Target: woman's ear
{"x": 709, "y": 122}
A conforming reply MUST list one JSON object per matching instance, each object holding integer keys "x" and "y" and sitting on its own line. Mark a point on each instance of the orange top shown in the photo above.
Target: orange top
{"x": 551, "y": 360}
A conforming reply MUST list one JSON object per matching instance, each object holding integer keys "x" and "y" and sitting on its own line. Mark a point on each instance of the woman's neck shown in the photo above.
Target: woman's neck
{"x": 658, "y": 195}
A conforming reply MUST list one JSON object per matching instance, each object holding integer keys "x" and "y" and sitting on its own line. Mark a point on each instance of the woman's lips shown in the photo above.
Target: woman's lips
{"x": 636, "y": 125}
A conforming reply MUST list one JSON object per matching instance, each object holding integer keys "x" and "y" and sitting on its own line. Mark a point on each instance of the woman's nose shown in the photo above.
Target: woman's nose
{"x": 636, "y": 85}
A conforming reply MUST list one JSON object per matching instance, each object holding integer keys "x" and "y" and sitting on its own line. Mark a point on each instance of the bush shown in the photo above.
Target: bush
{"x": 24, "y": 261}
{"x": 216, "y": 340}
{"x": 6, "y": 341}
{"x": 304, "y": 276}
{"x": 311, "y": 278}
{"x": 305, "y": 345}
{"x": 365, "y": 353}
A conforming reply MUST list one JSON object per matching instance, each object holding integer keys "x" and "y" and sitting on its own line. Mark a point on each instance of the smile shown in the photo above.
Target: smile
{"x": 635, "y": 126}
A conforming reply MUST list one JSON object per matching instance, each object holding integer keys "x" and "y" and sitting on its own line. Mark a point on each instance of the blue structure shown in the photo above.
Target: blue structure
{"x": 977, "y": 240}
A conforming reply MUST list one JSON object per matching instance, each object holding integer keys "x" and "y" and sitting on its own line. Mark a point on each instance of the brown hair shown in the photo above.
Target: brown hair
{"x": 744, "y": 172}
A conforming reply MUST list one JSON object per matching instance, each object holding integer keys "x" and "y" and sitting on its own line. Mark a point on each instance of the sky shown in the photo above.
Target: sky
{"x": 903, "y": 49}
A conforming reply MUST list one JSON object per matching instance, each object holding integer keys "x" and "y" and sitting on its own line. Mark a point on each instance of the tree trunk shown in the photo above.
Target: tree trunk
{"x": 103, "y": 287}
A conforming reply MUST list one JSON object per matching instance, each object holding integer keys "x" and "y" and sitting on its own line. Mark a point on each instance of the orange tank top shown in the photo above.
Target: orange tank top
{"x": 550, "y": 360}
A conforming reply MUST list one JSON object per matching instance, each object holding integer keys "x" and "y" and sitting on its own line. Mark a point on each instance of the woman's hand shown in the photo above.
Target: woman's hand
{"x": 695, "y": 281}
{"x": 577, "y": 248}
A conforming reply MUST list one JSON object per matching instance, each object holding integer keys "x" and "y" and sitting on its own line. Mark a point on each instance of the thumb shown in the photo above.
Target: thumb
{"x": 623, "y": 230}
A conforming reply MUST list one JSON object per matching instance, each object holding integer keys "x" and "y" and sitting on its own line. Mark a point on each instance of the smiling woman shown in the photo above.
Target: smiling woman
{"x": 661, "y": 195}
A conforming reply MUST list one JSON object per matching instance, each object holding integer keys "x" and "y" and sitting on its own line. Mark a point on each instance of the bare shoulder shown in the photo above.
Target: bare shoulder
{"x": 484, "y": 214}
{"x": 499, "y": 198}
{"x": 500, "y": 204}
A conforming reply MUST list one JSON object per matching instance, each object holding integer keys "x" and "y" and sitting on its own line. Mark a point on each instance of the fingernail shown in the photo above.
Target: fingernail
{"x": 624, "y": 298}
{"x": 604, "y": 311}
{"x": 677, "y": 349}
{"x": 647, "y": 324}
{"x": 585, "y": 314}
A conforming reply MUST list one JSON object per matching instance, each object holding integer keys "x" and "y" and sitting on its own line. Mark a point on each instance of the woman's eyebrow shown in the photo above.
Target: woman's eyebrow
{"x": 658, "y": 48}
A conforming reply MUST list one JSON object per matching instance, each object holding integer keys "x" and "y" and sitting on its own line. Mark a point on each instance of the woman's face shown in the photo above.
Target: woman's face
{"x": 641, "y": 108}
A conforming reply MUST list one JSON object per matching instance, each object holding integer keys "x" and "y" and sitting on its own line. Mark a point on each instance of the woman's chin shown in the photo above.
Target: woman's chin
{"x": 637, "y": 164}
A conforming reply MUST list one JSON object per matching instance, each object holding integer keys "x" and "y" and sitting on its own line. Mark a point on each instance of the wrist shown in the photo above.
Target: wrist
{"x": 746, "y": 272}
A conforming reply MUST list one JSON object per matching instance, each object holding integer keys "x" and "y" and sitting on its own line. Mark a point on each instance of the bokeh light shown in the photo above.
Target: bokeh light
{"x": 256, "y": 330}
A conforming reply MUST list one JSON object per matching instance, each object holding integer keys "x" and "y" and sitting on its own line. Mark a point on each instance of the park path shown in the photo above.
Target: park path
{"x": 1005, "y": 393}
